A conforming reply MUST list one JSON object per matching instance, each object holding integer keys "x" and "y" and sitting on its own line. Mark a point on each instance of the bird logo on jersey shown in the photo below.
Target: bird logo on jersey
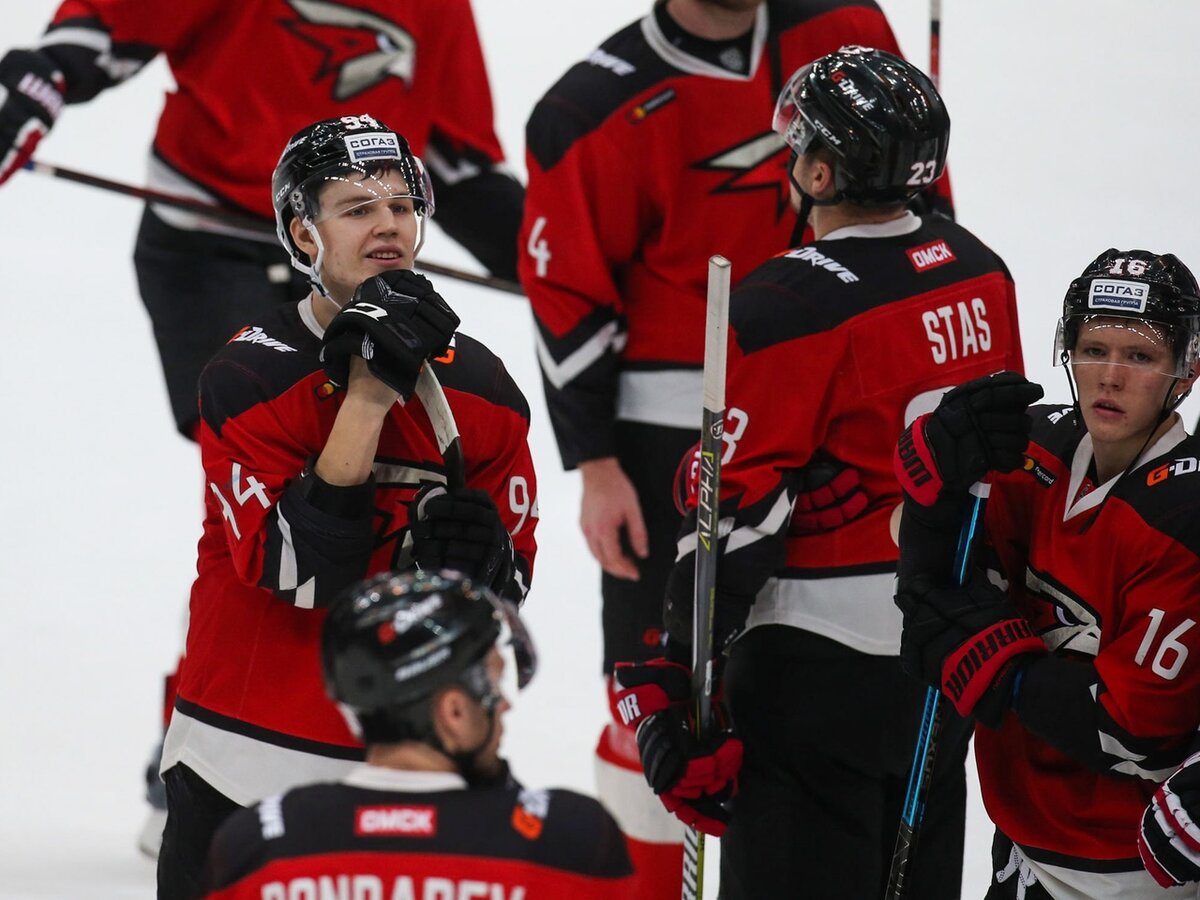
{"x": 1063, "y": 620}
{"x": 757, "y": 164}
{"x": 359, "y": 49}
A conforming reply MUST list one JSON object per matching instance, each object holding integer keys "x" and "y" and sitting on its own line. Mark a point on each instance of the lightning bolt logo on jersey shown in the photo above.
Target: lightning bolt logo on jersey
{"x": 757, "y": 164}
{"x": 359, "y": 49}
{"x": 644, "y": 159}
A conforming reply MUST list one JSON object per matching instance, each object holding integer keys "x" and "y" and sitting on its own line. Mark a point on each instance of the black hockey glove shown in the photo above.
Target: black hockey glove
{"x": 695, "y": 778}
{"x": 31, "y": 97}
{"x": 395, "y": 321}
{"x": 978, "y": 427}
{"x": 733, "y": 601}
{"x": 461, "y": 531}
{"x": 966, "y": 641}
{"x": 1169, "y": 837}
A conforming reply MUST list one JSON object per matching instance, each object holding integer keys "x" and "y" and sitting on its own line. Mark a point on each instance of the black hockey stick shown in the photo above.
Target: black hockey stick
{"x": 920, "y": 775}
{"x": 707, "y": 535}
{"x": 935, "y": 43}
{"x": 241, "y": 219}
{"x": 445, "y": 429}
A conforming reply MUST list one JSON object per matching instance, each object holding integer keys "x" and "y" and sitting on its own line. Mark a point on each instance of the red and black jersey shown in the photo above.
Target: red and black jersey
{"x": 251, "y": 74}
{"x": 252, "y": 716}
{"x": 384, "y": 833}
{"x": 1109, "y": 576}
{"x": 644, "y": 160}
{"x": 833, "y": 348}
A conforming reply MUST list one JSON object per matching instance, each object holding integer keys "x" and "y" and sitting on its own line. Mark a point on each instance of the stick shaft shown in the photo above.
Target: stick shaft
{"x": 707, "y": 534}
{"x": 925, "y": 751}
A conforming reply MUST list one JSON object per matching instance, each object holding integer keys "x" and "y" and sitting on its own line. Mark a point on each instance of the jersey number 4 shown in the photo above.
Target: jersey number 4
{"x": 253, "y": 488}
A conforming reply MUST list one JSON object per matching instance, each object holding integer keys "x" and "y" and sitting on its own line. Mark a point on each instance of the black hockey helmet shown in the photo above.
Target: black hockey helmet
{"x": 391, "y": 642}
{"x": 880, "y": 116}
{"x": 1136, "y": 285}
{"x": 350, "y": 149}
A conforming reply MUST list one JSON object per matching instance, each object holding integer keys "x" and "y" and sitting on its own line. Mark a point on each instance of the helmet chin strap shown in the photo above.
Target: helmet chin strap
{"x": 807, "y": 201}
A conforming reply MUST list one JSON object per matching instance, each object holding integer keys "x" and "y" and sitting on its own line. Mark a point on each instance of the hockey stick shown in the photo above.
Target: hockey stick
{"x": 445, "y": 429}
{"x": 920, "y": 775}
{"x": 240, "y": 219}
{"x": 935, "y": 41}
{"x": 707, "y": 534}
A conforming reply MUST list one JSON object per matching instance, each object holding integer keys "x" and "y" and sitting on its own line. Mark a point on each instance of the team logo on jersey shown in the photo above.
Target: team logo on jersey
{"x": 359, "y": 49}
{"x": 930, "y": 256}
{"x": 757, "y": 164}
{"x": 1062, "y": 619}
{"x": 529, "y": 815}
{"x": 1185, "y": 465}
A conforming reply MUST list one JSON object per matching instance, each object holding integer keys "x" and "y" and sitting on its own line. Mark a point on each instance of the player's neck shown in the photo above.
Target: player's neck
{"x": 411, "y": 756}
{"x": 324, "y": 308}
{"x": 1114, "y": 457}
{"x": 826, "y": 219}
{"x": 707, "y": 20}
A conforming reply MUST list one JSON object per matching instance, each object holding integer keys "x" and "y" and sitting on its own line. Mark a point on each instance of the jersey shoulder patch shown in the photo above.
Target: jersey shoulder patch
{"x": 616, "y": 72}
{"x": 471, "y": 368}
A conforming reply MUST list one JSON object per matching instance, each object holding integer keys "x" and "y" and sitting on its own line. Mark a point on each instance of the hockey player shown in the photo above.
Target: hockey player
{"x": 417, "y": 662}
{"x": 1077, "y": 653}
{"x": 644, "y": 159}
{"x": 833, "y": 347}
{"x": 322, "y": 467}
{"x": 248, "y": 75}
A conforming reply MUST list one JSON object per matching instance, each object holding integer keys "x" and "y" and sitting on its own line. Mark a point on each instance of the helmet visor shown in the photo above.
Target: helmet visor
{"x": 789, "y": 120}
{"x": 1137, "y": 344}
{"x": 350, "y": 190}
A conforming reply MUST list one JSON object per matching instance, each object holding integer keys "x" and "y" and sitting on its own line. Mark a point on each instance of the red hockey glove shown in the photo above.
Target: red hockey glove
{"x": 694, "y": 777}
{"x": 978, "y": 427}
{"x": 1169, "y": 837}
{"x": 395, "y": 322}
{"x": 31, "y": 97}
{"x": 829, "y": 492}
{"x": 966, "y": 641}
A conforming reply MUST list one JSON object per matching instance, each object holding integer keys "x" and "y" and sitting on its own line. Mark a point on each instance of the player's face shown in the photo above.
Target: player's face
{"x": 489, "y": 758}
{"x": 368, "y": 226}
{"x": 1120, "y": 368}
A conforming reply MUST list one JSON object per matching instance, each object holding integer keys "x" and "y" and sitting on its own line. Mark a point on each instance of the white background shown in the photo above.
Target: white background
{"x": 1073, "y": 131}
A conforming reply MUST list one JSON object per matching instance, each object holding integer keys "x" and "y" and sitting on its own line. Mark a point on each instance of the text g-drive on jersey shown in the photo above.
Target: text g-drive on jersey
{"x": 252, "y": 716}
{"x": 384, "y": 834}
{"x": 834, "y": 347}
{"x": 644, "y": 160}
{"x": 1108, "y": 575}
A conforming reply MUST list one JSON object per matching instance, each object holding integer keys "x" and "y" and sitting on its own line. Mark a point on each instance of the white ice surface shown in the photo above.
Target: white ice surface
{"x": 1073, "y": 124}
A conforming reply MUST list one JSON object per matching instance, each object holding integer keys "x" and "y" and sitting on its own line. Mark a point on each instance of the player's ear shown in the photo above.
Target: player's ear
{"x": 450, "y": 710}
{"x": 303, "y": 239}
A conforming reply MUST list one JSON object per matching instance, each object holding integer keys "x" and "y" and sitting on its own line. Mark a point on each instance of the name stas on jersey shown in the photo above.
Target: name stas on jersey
{"x": 402, "y": 887}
